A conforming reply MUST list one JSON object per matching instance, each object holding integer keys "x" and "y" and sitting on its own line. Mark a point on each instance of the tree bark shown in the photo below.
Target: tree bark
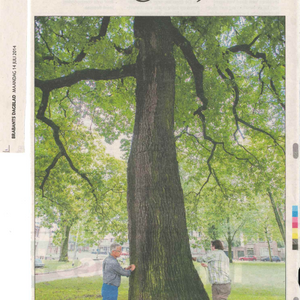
{"x": 277, "y": 216}
{"x": 213, "y": 232}
{"x": 64, "y": 244}
{"x": 269, "y": 246}
{"x": 230, "y": 250}
{"x": 159, "y": 243}
{"x": 229, "y": 241}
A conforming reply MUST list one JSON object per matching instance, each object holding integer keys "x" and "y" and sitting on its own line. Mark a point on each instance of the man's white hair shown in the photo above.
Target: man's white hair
{"x": 114, "y": 246}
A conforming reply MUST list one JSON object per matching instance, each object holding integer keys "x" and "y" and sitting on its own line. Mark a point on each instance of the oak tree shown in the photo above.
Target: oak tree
{"x": 217, "y": 82}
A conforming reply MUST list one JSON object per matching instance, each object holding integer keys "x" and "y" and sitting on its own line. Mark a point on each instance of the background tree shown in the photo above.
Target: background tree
{"x": 262, "y": 225}
{"x": 62, "y": 197}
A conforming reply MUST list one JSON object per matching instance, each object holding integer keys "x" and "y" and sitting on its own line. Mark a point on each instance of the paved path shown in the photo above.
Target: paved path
{"x": 89, "y": 267}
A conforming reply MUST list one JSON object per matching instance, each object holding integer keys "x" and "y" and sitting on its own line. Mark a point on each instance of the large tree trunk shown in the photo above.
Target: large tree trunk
{"x": 159, "y": 243}
{"x": 64, "y": 244}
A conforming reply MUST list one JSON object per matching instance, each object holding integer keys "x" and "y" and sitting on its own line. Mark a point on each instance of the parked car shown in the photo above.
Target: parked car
{"x": 98, "y": 252}
{"x": 38, "y": 263}
{"x": 274, "y": 258}
{"x": 125, "y": 253}
{"x": 248, "y": 257}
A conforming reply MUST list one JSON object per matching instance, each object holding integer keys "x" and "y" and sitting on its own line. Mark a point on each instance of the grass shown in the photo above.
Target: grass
{"x": 251, "y": 281}
{"x": 54, "y": 265}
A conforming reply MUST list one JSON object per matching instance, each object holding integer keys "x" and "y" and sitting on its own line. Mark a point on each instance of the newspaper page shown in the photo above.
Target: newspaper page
{"x": 17, "y": 174}
{"x": 13, "y": 75}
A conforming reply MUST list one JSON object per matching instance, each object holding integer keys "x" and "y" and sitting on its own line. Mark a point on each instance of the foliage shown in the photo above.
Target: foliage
{"x": 66, "y": 200}
{"x": 233, "y": 154}
{"x": 262, "y": 224}
{"x": 229, "y": 119}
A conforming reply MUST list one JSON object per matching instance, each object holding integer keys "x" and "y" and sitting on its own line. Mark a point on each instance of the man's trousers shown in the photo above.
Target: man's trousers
{"x": 220, "y": 291}
{"x": 109, "y": 292}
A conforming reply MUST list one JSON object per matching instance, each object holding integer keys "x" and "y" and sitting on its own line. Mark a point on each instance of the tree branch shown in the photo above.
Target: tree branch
{"x": 247, "y": 49}
{"x": 103, "y": 30}
{"x": 86, "y": 74}
{"x": 218, "y": 182}
{"x": 241, "y": 225}
{"x": 209, "y": 167}
{"x": 48, "y": 170}
{"x": 64, "y": 206}
{"x": 56, "y": 130}
{"x": 276, "y": 94}
{"x": 235, "y": 103}
{"x": 82, "y": 54}
{"x": 126, "y": 51}
{"x": 196, "y": 67}
{"x": 52, "y": 56}
{"x": 198, "y": 72}
{"x": 277, "y": 217}
{"x": 260, "y": 79}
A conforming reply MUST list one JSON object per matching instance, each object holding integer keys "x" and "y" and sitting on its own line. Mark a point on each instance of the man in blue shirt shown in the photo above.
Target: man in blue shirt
{"x": 112, "y": 272}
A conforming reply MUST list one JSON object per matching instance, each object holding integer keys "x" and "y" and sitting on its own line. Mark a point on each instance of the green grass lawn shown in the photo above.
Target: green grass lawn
{"x": 54, "y": 265}
{"x": 261, "y": 281}
{"x": 253, "y": 280}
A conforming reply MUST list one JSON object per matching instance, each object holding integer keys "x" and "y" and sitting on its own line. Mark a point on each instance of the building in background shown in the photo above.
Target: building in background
{"x": 45, "y": 249}
{"x": 43, "y": 241}
{"x": 258, "y": 249}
